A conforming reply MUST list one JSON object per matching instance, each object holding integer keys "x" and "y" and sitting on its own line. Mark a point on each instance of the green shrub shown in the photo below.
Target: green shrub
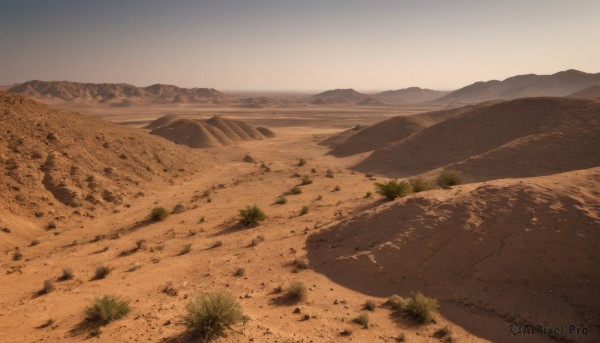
{"x": 369, "y": 305}
{"x": 106, "y": 309}
{"x": 336, "y": 189}
{"x": 419, "y": 185}
{"x": 101, "y": 272}
{"x": 186, "y": 249}
{"x": 281, "y": 200}
{"x": 67, "y": 274}
{"x": 305, "y": 180}
{"x": 304, "y": 210}
{"x": 396, "y": 302}
{"x": 368, "y": 195}
{"x": 294, "y": 191}
{"x": 209, "y": 315}
{"x": 301, "y": 162}
{"x": 159, "y": 213}
{"x": 47, "y": 288}
{"x": 421, "y": 308}
{"x": 393, "y": 189}
{"x": 362, "y": 319}
{"x": 178, "y": 208}
{"x": 449, "y": 178}
{"x": 296, "y": 293}
{"x": 251, "y": 215}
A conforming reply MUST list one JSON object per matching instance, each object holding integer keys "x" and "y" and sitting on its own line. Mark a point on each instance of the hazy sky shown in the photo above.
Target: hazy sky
{"x": 296, "y": 44}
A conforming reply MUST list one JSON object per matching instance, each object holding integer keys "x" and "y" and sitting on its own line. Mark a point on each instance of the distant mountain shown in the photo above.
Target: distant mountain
{"x": 117, "y": 94}
{"x": 590, "y": 92}
{"x": 343, "y": 96}
{"x": 410, "y": 95}
{"x": 531, "y": 85}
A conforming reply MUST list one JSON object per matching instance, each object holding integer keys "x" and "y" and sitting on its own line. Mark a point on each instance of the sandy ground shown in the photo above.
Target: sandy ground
{"x": 84, "y": 244}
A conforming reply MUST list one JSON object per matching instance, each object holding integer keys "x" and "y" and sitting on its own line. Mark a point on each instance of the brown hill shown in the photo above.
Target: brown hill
{"x": 410, "y": 95}
{"x": 521, "y": 86}
{"x": 341, "y": 96}
{"x": 517, "y": 138}
{"x": 120, "y": 94}
{"x": 514, "y": 250}
{"x": 590, "y": 92}
{"x": 55, "y": 160}
{"x": 214, "y": 132}
{"x": 362, "y": 139}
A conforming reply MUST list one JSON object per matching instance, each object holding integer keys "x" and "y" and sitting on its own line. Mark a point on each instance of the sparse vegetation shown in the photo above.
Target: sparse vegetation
{"x": 329, "y": 173}
{"x": 445, "y": 333}
{"x": 106, "y": 309}
{"x": 34, "y": 242}
{"x": 362, "y": 319}
{"x": 305, "y": 180}
{"x": 168, "y": 289}
{"x": 47, "y": 287}
{"x": 449, "y": 178}
{"x": 299, "y": 263}
{"x": 295, "y": 190}
{"x": 396, "y": 302}
{"x": 256, "y": 240}
{"x": 67, "y": 274}
{"x": 159, "y": 213}
{"x": 336, "y": 189}
{"x": 369, "y": 305}
{"x": 178, "y": 208}
{"x": 239, "y": 272}
{"x": 51, "y": 226}
{"x": 101, "y": 272}
{"x": 419, "y": 185}
{"x": 216, "y": 244}
{"x": 304, "y": 210}
{"x": 209, "y": 315}
{"x": 346, "y": 333}
{"x": 296, "y": 293}
{"x": 301, "y": 162}
{"x": 48, "y": 323}
{"x": 251, "y": 215}
{"x": 368, "y": 195}
{"x": 186, "y": 249}
{"x": 393, "y": 189}
{"x": 17, "y": 255}
{"x": 281, "y": 200}
{"x": 421, "y": 308}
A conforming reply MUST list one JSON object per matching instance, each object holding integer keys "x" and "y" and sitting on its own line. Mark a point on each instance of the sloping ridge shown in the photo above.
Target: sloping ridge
{"x": 117, "y": 94}
{"x": 559, "y": 84}
{"x": 55, "y": 158}
{"x": 342, "y": 96}
{"x": 362, "y": 139}
{"x": 214, "y": 132}
{"x": 410, "y": 95}
{"x": 590, "y": 92}
{"x": 518, "y": 248}
{"x": 518, "y": 138}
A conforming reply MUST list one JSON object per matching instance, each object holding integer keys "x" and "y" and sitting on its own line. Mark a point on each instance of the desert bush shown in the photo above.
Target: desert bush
{"x": 336, "y": 189}
{"x": 296, "y": 293}
{"x": 304, "y": 210}
{"x": 168, "y": 289}
{"x": 216, "y": 244}
{"x": 67, "y": 274}
{"x": 281, "y": 200}
{"x": 295, "y": 190}
{"x": 209, "y": 315}
{"x": 17, "y": 255}
{"x": 106, "y": 309}
{"x": 329, "y": 173}
{"x": 256, "y": 240}
{"x": 449, "y": 178}
{"x": 368, "y": 195}
{"x": 320, "y": 197}
{"x": 51, "y": 226}
{"x": 186, "y": 249}
{"x": 301, "y": 162}
{"x": 393, "y": 189}
{"x": 421, "y": 308}
{"x": 47, "y": 287}
{"x": 396, "y": 302}
{"x": 362, "y": 319}
{"x": 444, "y": 332}
{"x": 305, "y": 180}
{"x": 369, "y": 305}
{"x": 178, "y": 208}
{"x": 299, "y": 263}
{"x": 346, "y": 333}
{"x": 101, "y": 272}
{"x": 159, "y": 213}
{"x": 239, "y": 272}
{"x": 419, "y": 185}
{"x": 251, "y": 215}
{"x": 34, "y": 242}
{"x": 50, "y": 322}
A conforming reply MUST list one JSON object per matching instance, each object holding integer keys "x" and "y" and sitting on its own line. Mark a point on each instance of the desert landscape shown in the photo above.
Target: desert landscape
{"x": 167, "y": 213}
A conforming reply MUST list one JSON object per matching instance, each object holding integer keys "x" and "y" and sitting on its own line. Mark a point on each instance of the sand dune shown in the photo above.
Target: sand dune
{"x": 120, "y": 94}
{"x": 214, "y": 132}
{"x": 516, "y": 249}
{"x": 518, "y": 138}
{"x": 59, "y": 161}
{"x": 520, "y": 86}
